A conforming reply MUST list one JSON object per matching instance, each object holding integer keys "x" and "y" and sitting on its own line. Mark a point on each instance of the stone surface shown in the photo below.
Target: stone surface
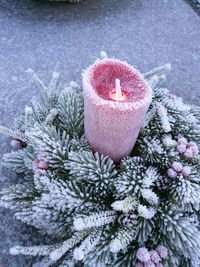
{"x": 50, "y": 36}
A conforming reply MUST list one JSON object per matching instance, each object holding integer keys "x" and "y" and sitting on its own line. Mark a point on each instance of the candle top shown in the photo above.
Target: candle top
{"x": 100, "y": 80}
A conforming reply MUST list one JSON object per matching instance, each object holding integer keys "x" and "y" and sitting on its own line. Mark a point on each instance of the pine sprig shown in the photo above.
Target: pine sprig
{"x": 94, "y": 168}
{"x": 70, "y": 107}
{"x": 20, "y": 161}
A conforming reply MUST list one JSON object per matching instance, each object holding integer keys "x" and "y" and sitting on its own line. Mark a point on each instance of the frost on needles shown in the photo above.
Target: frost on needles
{"x": 142, "y": 212}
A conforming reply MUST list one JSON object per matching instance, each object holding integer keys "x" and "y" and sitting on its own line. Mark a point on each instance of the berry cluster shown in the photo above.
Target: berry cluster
{"x": 187, "y": 149}
{"x": 151, "y": 258}
{"x": 40, "y": 164}
{"x": 178, "y": 168}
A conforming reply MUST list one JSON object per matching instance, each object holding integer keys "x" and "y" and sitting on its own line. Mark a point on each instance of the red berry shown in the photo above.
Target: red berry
{"x": 16, "y": 144}
{"x": 43, "y": 165}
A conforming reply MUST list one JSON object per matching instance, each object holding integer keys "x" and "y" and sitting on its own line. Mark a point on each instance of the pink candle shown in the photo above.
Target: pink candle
{"x": 116, "y": 99}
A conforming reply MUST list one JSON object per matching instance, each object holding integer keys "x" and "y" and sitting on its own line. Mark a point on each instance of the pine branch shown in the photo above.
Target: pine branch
{"x": 33, "y": 250}
{"x": 15, "y": 134}
{"x": 157, "y": 71}
{"x": 53, "y": 143}
{"x": 58, "y": 195}
{"x": 87, "y": 245}
{"x": 144, "y": 230}
{"x": 38, "y": 82}
{"x": 134, "y": 177}
{"x": 101, "y": 255}
{"x": 178, "y": 229}
{"x": 126, "y": 258}
{"x": 162, "y": 113}
{"x": 126, "y": 205}
{"x": 103, "y": 55}
{"x": 58, "y": 253}
{"x": 122, "y": 239}
{"x": 155, "y": 80}
{"x": 94, "y": 220}
{"x": 40, "y": 112}
{"x": 149, "y": 116}
{"x": 185, "y": 190}
{"x": 93, "y": 168}
{"x": 54, "y": 81}
{"x": 70, "y": 107}
{"x": 16, "y": 197}
{"x": 20, "y": 161}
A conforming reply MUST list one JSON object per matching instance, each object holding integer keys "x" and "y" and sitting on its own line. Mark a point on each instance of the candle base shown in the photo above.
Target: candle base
{"x": 119, "y": 140}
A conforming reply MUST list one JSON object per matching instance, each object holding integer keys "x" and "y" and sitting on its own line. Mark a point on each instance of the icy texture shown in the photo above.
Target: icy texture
{"x": 103, "y": 76}
{"x": 112, "y": 127}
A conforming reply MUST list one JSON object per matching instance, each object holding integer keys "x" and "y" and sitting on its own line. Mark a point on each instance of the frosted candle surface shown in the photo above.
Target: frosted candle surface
{"x": 112, "y": 126}
{"x": 103, "y": 79}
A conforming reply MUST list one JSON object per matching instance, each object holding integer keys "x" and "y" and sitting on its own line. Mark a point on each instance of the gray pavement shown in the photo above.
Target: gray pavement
{"x": 50, "y": 36}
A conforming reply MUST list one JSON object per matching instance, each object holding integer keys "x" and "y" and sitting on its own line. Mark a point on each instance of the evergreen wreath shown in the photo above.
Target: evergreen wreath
{"x": 143, "y": 212}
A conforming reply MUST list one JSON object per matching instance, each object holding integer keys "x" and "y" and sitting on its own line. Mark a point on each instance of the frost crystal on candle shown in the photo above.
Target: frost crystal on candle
{"x": 116, "y": 99}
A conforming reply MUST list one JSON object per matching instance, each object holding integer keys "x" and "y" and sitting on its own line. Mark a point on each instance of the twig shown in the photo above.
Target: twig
{"x": 157, "y": 71}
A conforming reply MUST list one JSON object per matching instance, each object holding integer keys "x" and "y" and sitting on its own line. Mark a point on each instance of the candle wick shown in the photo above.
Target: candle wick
{"x": 118, "y": 89}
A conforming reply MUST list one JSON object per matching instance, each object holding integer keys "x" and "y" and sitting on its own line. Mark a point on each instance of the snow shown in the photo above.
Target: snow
{"x": 67, "y": 38}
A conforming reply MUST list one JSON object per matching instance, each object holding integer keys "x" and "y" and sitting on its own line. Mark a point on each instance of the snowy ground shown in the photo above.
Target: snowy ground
{"x": 58, "y": 36}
